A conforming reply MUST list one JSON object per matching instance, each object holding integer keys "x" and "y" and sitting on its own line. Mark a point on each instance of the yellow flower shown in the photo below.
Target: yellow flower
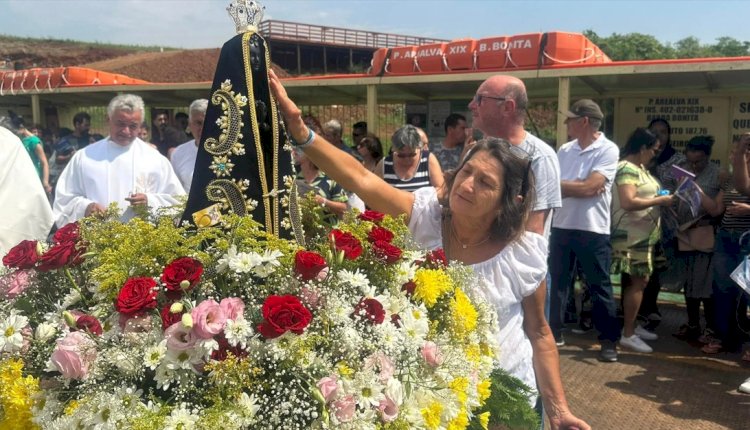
{"x": 431, "y": 415}
{"x": 16, "y": 392}
{"x": 431, "y": 284}
{"x": 459, "y": 386}
{"x": 343, "y": 369}
{"x": 484, "y": 420}
{"x": 71, "y": 407}
{"x": 473, "y": 353}
{"x": 483, "y": 390}
{"x": 460, "y": 422}
{"x": 463, "y": 315}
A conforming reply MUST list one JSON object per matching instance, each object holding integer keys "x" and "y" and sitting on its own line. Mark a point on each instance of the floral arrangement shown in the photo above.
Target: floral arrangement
{"x": 148, "y": 325}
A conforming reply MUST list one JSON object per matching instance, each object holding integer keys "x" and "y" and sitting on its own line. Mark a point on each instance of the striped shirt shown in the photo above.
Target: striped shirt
{"x": 420, "y": 179}
{"x": 734, "y": 222}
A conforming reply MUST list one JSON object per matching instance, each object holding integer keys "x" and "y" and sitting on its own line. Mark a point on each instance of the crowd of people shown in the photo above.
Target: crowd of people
{"x": 506, "y": 204}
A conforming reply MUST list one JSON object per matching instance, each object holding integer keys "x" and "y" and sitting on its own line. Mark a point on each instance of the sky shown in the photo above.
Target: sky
{"x": 205, "y": 23}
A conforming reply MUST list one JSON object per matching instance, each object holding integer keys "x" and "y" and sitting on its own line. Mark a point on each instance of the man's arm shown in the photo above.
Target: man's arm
{"x": 536, "y": 221}
{"x": 71, "y": 203}
{"x": 740, "y": 174}
{"x": 589, "y": 187}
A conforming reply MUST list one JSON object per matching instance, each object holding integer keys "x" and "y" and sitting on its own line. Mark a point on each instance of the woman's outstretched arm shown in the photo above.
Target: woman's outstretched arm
{"x": 337, "y": 164}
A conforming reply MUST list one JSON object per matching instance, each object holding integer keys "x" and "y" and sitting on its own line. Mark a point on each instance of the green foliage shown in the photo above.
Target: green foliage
{"x": 508, "y": 404}
{"x": 6, "y": 38}
{"x": 638, "y": 46}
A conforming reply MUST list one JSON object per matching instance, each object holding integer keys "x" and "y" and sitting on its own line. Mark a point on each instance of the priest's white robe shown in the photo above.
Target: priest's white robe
{"x": 25, "y": 212}
{"x": 105, "y": 172}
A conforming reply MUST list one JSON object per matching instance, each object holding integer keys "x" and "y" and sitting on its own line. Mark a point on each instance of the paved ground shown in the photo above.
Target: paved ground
{"x": 676, "y": 387}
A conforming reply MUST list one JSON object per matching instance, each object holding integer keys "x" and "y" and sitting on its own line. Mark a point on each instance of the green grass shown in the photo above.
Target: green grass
{"x": 69, "y": 42}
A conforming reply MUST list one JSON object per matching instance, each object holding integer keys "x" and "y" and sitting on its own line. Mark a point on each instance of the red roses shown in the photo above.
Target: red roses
{"x": 344, "y": 241}
{"x": 90, "y": 324}
{"x": 385, "y": 251}
{"x": 22, "y": 256}
{"x": 136, "y": 296}
{"x": 379, "y": 233}
{"x": 181, "y": 270}
{"x": 69, "y": 233}
{"x": 369, "y": 310}
{"x": 64, "y": 251}
{"x": 372, "y": 216}
{"x": 308, "y": 264}
{"x": 282, "y": 314}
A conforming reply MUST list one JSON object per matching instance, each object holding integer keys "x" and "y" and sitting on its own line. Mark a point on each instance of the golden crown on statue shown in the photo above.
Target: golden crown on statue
{"x": 247, "y": 15}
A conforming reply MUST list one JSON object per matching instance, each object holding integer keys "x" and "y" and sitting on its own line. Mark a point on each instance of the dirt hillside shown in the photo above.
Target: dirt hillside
{"x": 147, "y": 63}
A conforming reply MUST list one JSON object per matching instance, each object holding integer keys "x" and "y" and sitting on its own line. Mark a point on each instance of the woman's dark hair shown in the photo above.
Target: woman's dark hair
{"x": 640, "y": 138}
{"x": 518, "y": 179}
{"x": 700, "y": 143}
{"x": 373, "y": 146}
{"x": 664, "y": 122}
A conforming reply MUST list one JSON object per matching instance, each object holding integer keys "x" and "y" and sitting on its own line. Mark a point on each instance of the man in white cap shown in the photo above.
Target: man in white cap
{"x": 580, "y": 229}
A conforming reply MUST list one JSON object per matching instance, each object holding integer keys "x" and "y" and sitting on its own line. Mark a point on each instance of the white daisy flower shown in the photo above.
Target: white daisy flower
{"x": 45, "y": 332}
{"x": 181, "y": 419}
{"x": 244, "y": 262}
{"x": 11, "y": 338}
{"x": 356, "y": 279}
{"x": 237, "y": 332}
{"x": 155, "y": 354}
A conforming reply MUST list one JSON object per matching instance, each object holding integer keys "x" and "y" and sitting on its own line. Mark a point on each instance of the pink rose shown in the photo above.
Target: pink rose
{"x": 329, "y": 387}
{"x": 310, "y": 297}
{"x": 73, "y": 355}
{"x": 322, "y": 275}
{"x": 179, "y": 337}
{"x": 232, "y": 307}
{"x": 15, "y": 283}
{"x": 383, "y": 363}
{"x": 344, "y": 408}
{"x": 388, "y": 409}
{"x": 208, "y": 319}
{"x": 431, "y": 354}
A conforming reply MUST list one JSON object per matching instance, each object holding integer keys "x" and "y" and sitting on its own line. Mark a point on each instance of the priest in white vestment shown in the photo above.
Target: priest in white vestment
{"x": 120, "y": 168}
{"x": 26, "y": 213}
{"x": 183, "y": 157}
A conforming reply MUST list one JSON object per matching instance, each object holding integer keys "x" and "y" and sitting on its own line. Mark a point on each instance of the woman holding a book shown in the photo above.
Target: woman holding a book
{"x": 695, "y": 236}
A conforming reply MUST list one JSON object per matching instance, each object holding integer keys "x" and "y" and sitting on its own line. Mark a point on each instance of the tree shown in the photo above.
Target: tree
{"x": 630, "y": 46}
{"x": 638, "y": 46}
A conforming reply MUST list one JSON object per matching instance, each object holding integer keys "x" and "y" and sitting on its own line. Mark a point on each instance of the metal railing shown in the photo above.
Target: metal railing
{"x": 298, "y": 32}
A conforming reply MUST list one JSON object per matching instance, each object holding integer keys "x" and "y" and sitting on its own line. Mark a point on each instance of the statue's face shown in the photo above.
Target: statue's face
{"x": 255, "y": 57}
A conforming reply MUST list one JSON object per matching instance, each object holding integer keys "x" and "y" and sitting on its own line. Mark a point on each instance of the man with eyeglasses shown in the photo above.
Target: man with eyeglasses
{"x": 120, "y": 168}
{"x": 581, "y": 228}
{"x": 499, "y": 110}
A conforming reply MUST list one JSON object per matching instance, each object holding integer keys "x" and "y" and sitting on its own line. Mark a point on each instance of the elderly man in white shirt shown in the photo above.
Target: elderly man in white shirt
{"x": 183, "y": 157}
{"x": 120, "y": 168}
